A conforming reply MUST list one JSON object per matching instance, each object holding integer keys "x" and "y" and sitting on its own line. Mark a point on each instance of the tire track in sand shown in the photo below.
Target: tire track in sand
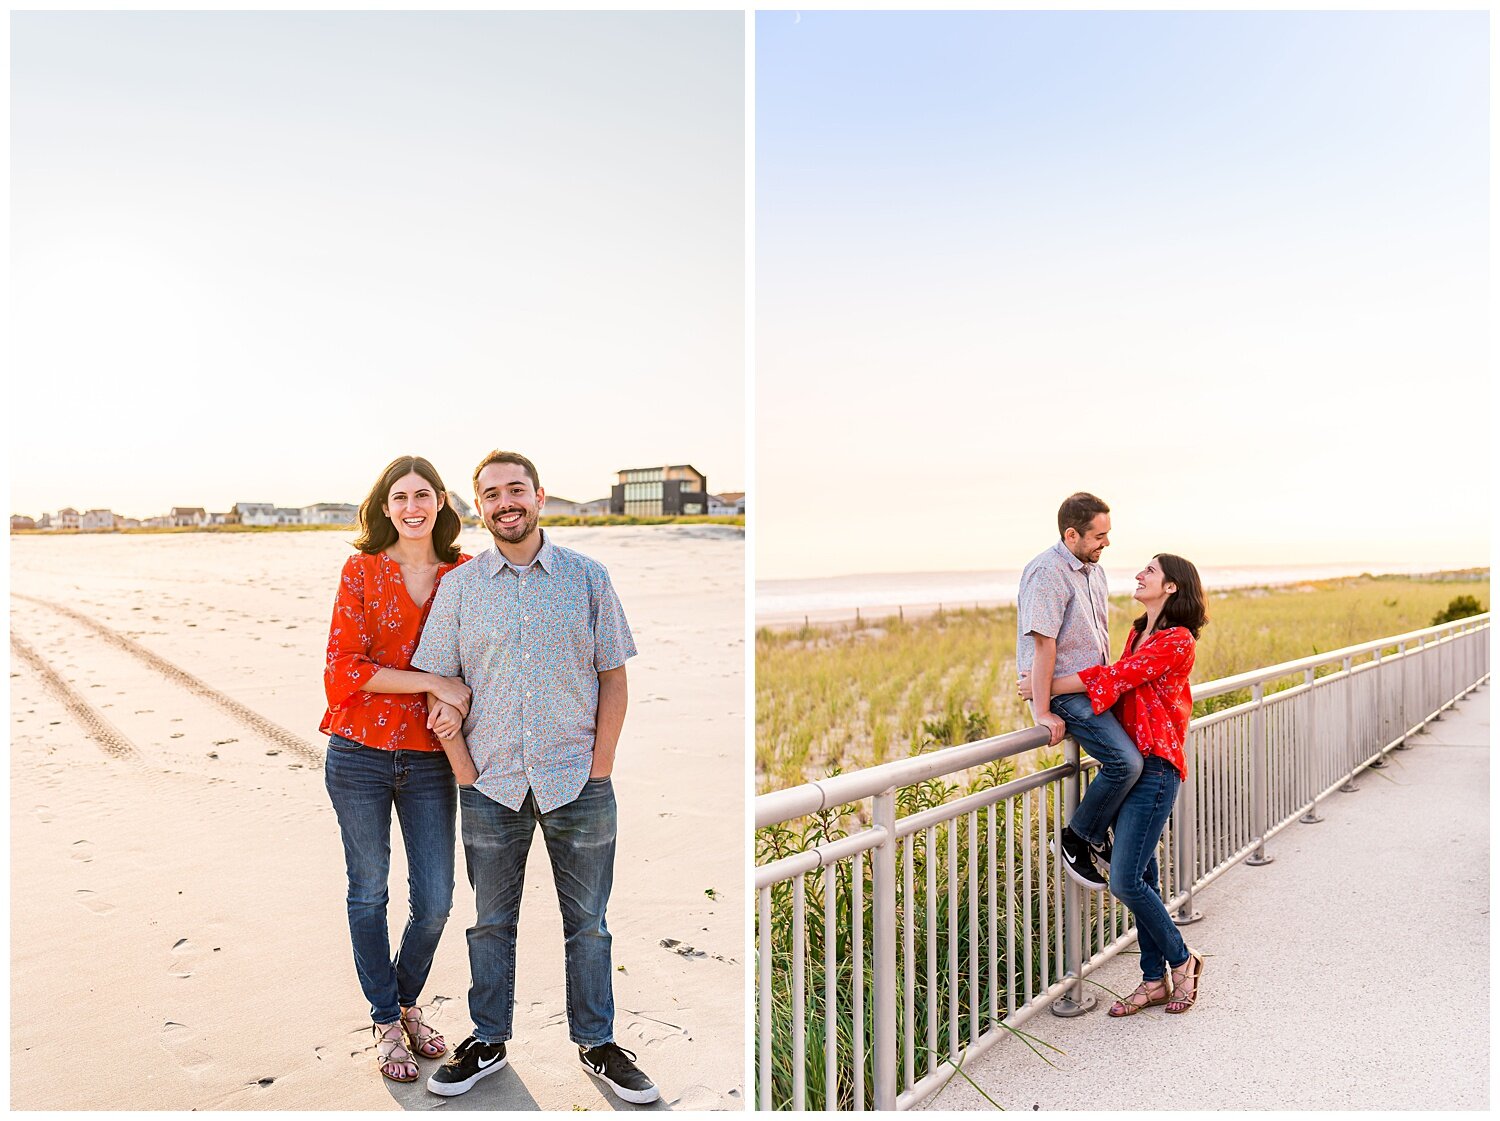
{"x": 110, "y": 739}
{"x": 245, "y": 715}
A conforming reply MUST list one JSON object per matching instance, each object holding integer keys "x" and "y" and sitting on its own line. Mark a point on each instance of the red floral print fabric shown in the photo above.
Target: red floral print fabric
{"x": 376, "y": 625}
{"x": 1148, "y": 687}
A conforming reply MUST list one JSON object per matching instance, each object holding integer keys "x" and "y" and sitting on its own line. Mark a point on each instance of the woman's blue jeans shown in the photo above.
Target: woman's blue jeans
{"x": 364, "y": 784}
{"x": 580, "y": 840}
{"x": 1134, "y": 875}
{"x": 1102, "y": 736}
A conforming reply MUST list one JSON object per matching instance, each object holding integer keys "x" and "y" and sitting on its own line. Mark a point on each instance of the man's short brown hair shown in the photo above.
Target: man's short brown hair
{"x": 1078, "y": 512}
{"x": 498, "y": 456}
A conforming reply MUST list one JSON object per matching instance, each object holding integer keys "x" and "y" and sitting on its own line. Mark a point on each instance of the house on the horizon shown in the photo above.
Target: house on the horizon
{"x": 67, "y": 518}
{"x": 594, "y": 508}
{"x": 660, "y": 491}
{"x": 560, "y": 507}
{"x": 330, "y": 513}
{"x": 253, "y": 513}
{"x": 97, "y": 519}
{"x": 22, "y": 521}
{"x": 730, "y": 502}
{"x": 189, "y": 517}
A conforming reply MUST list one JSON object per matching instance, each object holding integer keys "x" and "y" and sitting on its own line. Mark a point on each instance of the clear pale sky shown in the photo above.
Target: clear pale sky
{"x": 256, "y": 256}
{"x": 1226, "y": 270}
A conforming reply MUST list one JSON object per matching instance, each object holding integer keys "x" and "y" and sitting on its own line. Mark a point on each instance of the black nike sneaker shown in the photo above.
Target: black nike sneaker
{"x": 615, "y": 1065}
{"x": 472, "y": 1061}
{"x": 1078, "y": 861}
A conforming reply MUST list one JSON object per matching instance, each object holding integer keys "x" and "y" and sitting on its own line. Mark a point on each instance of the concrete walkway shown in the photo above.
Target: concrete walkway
{"x": 1350, "y": 973}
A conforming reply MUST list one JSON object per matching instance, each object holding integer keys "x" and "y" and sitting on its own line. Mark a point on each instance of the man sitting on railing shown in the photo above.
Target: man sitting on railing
{"x": 1062, "y": 624}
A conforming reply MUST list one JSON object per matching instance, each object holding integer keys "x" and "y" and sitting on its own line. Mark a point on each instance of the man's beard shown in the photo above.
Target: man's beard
{"x": 519, "y": 532}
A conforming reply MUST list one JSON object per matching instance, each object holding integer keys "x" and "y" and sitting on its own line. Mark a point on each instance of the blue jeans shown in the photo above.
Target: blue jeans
{"x": 363, "y": 784}
{"x": 1133, "y": 872}
{"x": 1101, "y": 735}
{"x": 580, "y": 840}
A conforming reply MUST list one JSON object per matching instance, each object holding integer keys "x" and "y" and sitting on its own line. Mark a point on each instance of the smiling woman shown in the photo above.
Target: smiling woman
{"x": 382, "y": 753}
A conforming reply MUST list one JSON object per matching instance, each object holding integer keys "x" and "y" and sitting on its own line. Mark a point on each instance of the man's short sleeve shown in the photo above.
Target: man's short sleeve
{"x": 1040, "y": 603}
{"x": 438, "y": 650}
{"x": 613, "y": 642}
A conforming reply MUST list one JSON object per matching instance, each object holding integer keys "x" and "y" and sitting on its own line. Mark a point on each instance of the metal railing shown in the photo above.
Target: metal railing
{"x": 962, "y": 928}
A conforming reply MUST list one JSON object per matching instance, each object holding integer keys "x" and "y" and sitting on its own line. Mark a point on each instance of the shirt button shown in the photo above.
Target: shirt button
{"x": 526, "y": 657}
{"x": 528, "y": 692}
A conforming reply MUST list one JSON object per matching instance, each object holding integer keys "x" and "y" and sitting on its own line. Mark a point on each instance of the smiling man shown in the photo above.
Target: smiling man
{"x": 537, "y": 633}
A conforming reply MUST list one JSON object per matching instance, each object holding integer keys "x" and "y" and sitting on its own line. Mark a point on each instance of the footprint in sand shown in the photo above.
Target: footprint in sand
{"x": 184, "y": 956}
{"x": 697, "y": 1097}
{"x": 180, "y": 1041}
{"x": 43, "y": 812}
{"x": 91, "y": 900}
{"x": 82, "y": 851}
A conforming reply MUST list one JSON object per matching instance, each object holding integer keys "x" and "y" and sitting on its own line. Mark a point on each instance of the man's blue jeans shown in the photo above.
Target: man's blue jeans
{"x": 580, "y": 840}
{"x": 1101, "y": 735}
{"x": 364, "y": 784}
{"x": 1133, "y": 873}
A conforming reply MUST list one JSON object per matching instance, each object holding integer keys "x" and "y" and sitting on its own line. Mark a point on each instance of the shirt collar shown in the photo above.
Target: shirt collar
{"x": 546, "y": 557}
{"x": 1062, "y": 550}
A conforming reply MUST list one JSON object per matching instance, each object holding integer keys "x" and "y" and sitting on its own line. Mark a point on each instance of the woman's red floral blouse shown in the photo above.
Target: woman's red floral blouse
{"x": 376, "y": 625}
{"x": 1149, "y": 689}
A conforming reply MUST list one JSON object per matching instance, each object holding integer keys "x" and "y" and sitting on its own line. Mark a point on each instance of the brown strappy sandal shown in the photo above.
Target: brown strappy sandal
{"x": 1141, "y": 999}
{"x": 386, "y": 1047}
{"x": 1189, "y": 970}
{"x": 428, "y": 1042}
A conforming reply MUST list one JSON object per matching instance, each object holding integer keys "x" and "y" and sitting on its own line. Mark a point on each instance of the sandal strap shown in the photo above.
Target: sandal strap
{"x": 387, "y": 1044}
{"x": 1143, "y": 992}
{"x": 420, "y": 1032}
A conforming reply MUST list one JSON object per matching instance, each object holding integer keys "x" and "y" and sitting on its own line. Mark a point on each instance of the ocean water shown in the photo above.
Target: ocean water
{"x": 881, "y": 593}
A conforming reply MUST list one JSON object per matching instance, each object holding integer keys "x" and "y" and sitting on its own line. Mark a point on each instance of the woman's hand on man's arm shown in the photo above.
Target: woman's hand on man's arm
{"x": 442, "y": 718}
{"x": 450, "y": 691}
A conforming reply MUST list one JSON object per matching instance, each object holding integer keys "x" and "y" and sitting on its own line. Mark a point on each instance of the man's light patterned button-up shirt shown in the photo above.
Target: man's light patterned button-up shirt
{"x": 1064, "y": 598}
{"x": 530, "y": 643}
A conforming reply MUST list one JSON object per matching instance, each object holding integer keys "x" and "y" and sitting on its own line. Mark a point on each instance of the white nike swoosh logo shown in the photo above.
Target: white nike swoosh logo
{"x": 486, "y": 1065}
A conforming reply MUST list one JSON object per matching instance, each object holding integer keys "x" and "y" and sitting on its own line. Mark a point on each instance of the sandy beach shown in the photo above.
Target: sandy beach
{"x": 177, "y": 880}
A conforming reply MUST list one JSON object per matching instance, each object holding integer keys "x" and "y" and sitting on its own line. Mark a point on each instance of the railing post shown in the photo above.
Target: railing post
{"x": 1436, "y": 677}
{"x": 1074, "y": 1002}
{"x": 1308, "y": 760}
{"x": 883, "y": 865}
{"x": 763, "y": 953}
{"x": 1350, "y": 786}
{"x": 1258, "y": 775}
{"x": 1401, "y": 708}
{"x": 1380, "y": 740}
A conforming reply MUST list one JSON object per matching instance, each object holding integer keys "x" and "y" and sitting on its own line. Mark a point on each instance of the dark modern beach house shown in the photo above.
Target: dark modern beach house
{"x": 660, "y": 491}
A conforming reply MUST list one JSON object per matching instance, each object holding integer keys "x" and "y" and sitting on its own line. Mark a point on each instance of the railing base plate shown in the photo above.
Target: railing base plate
{"x": 1256, "y": 859}
{"x": 1349, "y": 788}
{"x": 1311, "y": 817}
{"x": 1066, "y": 1007}
{"x": 1377, "y": 764}
{"x": 1187, "y": 920}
